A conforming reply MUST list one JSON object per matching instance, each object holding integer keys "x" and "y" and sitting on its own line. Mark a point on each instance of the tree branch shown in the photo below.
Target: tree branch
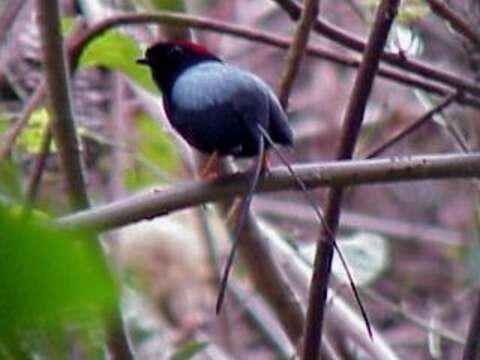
{"x": 352, "y": 122}
{"x": 63, "y": 128}
{"x": 253, "y": 35}
{"x": 81, "y": 40}
{"x": 456, "y": 22}
{"x": 352, "y": 42}
{"x": 412, "y": 127}
{"x": 338, "y": 173}
{"x": 59, "y": 102}
{"x": 297, "y": 49}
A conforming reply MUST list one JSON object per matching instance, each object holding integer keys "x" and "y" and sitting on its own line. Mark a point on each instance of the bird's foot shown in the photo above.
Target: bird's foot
{"x": 209, "y": 171}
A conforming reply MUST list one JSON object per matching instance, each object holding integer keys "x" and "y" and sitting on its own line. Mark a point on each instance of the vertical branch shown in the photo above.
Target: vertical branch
{"x": 352, "y": 121}
{"x": 63, "y": 126}
{"x": 64, "y": 132}
{"x": 297, "y": 49}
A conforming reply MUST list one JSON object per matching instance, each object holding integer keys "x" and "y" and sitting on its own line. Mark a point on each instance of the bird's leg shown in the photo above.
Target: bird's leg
{"x": 266, "y": 163}
{"x": 208, "y": 170}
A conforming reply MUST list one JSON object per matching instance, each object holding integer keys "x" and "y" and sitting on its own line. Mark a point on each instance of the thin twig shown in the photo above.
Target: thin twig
{"x": 411, "y": 317}
{"x": 297, "y": 49}
{"x": 393, "y": 228}
{"x": 37, "y": 172}
{"x": 256, "y": 35}
{"x": 351, "y": 127}
{"x": 8, "y": 15}
{"x": 342, "y": 37}
{"x": 8, "y": 140}
{"x": 456, "y": 21}
{"x": 334, "y": 174}
{"x": 412, "y": 127}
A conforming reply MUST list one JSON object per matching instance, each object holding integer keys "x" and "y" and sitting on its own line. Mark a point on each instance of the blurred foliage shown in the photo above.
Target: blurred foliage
{"x": 189, "y": 351}
{"x": 66, "y": 24}
{"x": 156, "y": 152}
{"x": 50, "y": 280}
{"x": 172, "y": 5}
{"x": 10, "y": 181}
{"x": 31, "y": 137}
{"x": 404, "y": 39}
{"x": 472, "y": 263}
{"x": 118, "y": 52}
{"x": 4, "y": 124}
{"x": 367, "y": 255}
{"x": 410, "y": 11}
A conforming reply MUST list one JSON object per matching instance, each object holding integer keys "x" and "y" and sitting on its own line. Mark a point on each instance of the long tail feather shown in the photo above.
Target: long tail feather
{"x": 321, "y": 218}
{"x": 242, "y": 215}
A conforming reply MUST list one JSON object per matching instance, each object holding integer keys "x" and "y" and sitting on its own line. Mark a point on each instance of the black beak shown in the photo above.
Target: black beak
{"x": 143, "y": 62}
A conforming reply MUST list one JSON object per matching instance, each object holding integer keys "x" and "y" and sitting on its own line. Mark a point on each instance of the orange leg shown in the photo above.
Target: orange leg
{"x": 266, "y": 164}
{"x": 209, "y": 168}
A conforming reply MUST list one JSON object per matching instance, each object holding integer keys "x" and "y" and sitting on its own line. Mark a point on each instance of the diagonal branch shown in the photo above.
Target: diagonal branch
{"x": 456, "y": 22}
{"x": 183, "y": 20}
{"x": 297, "y": 49}
{"x": 412, "y": 127}
{"x": 352, "y": 42}
{"x": 352, "y": 122}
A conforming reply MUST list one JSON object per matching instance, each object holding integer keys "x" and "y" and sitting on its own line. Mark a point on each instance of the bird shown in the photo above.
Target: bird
{"x": 218, "y": 109}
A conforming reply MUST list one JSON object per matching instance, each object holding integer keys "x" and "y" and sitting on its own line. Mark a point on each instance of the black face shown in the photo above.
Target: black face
{"x": 168, "y": 59}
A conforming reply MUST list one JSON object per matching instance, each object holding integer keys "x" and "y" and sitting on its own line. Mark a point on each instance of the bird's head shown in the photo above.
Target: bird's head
{"x": 168, "y": 59}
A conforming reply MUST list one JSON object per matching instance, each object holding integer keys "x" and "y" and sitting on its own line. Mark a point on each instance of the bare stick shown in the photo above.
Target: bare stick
{"x": 412, "y": 127}
{"x": 456, "y": 21}
{"x": 342, "y": 37}
{"x": 297, "y": 49}
{"x": 36, "y": 177}
{"x": 334, "y": 174}
{"x": 352, "y": 122}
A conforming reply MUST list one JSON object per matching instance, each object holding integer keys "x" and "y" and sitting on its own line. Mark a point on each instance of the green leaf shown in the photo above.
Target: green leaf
{"x": 66, "y": 24}
{"x": 50, "y": 278}
{"x": 155, "y": 150}
{"x": 189, "y": 351}
{"x": 10, "y": 181}
{"x": 118, "y": 52}
{"x": 4, "y": 124}
{"x": 31, "y": 137}
{"x": 171, "y": 5}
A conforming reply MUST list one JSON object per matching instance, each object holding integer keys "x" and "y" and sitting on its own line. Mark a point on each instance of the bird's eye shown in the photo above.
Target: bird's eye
{"x": 176, "y": 51}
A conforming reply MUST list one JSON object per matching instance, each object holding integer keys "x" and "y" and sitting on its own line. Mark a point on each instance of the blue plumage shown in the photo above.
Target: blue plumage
{"x": 213, "y": 106}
